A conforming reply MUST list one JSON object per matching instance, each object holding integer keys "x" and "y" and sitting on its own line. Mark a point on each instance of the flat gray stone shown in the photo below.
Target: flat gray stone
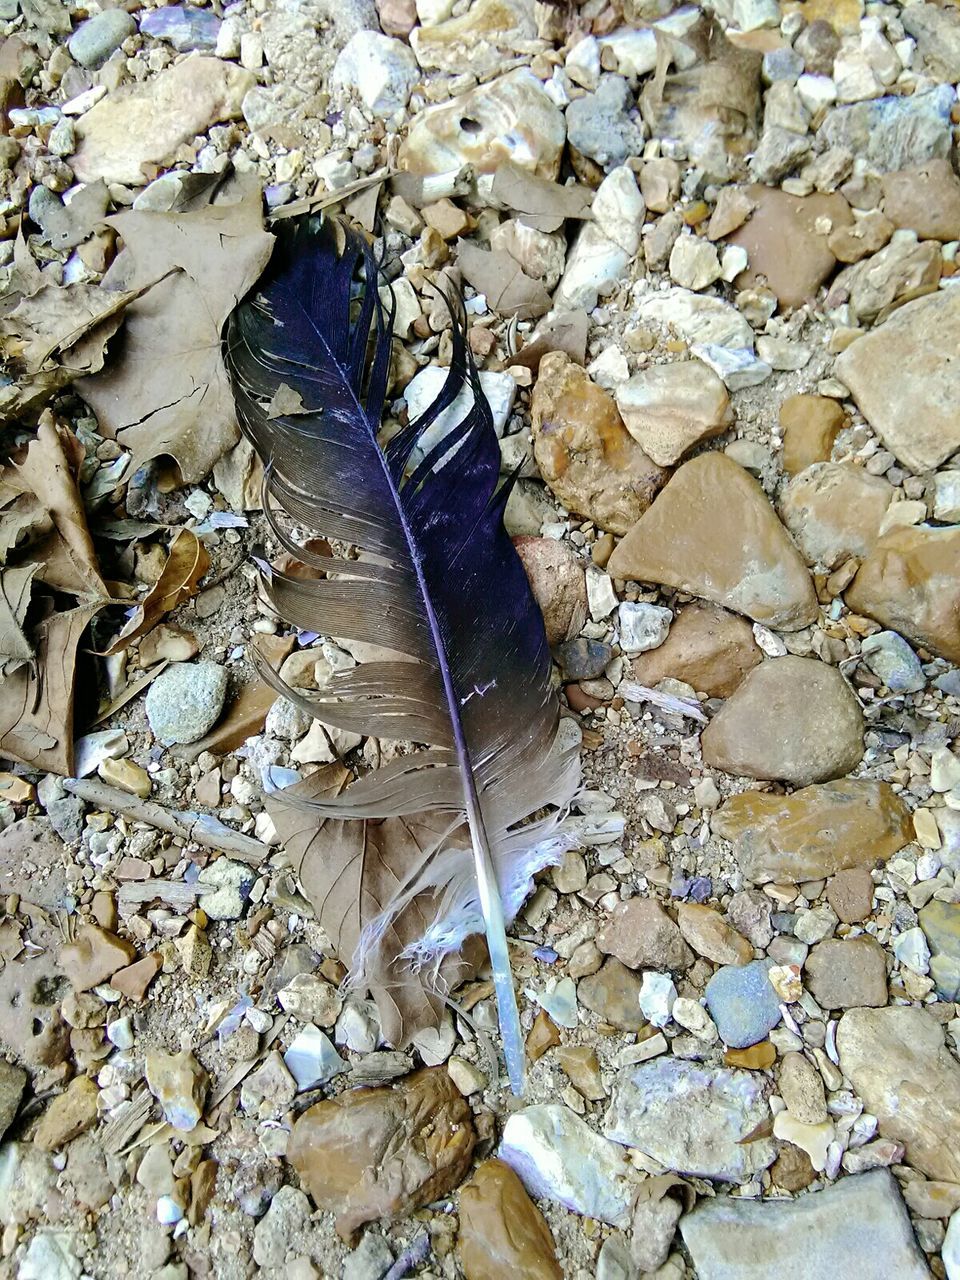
{"x": 858, "y": 1227}
{"x": 893, "y": 133}
{"x": 692, "y": 1118}
{"x": 185, "y": 701}
{"x": 94, "y": 40}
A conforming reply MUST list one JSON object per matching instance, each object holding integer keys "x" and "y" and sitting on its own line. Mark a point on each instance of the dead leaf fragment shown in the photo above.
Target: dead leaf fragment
{"x": 499, "y": 277}
{"x": 186, "y": 564}
{"x": 15, "y": 587}
{"x": 285, "y": 401}
{"x": 564, "y": 331}
{"x": 167, "y": 392}
{"x": 536, "y": 201}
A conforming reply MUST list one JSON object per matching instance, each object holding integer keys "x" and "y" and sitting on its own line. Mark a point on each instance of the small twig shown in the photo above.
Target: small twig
{"x": 189, "y": 826}
{"x": 415, "y": 1253}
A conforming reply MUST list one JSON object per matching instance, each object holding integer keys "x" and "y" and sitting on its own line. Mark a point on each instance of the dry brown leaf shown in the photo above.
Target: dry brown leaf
{"x": 329, "y": 199}
{"x": 186, "y": 564}
{"x": 46, "y": 479}
{"x": 15, "y": 588}
{"x": 36, "y": 701}
{"x": 167, "y": 392}
{"x": 348, "y": 871}
{"x": 286, "y": 401}
{"x": 70, "y": 224}
{"x": 566, "y": 331}
{"x": 501, "y": 280}
{"x": 55, "y": 318}
{"x": 537, "y": 202}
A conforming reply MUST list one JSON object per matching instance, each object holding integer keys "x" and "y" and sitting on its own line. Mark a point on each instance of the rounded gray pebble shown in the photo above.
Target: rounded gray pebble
{"x": 185, "y": 701}
{"x": 94, "y": 40}
{"x": 743, "y": 1003}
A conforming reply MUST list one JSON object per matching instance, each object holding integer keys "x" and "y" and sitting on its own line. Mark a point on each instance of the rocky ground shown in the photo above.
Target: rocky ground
{"x": 708, "y": 257}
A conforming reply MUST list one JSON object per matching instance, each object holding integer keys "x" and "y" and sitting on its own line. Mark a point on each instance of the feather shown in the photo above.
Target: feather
{"x": 429, "y": 573}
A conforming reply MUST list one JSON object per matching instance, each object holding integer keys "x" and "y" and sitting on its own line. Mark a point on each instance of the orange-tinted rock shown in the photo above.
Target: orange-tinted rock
{"x": 801, "y": 222}
{"x": 713, "y": 532}
{"x": 834, "y": 511}
{"x": 642, "y": 936}
{"x": 815, "y": 832}
{"x": 543, "y": 1035}
{"x": 710, "y": 935}
{"x": 69, "y": 1114}
{"x": 925, "y": 198}
{"x": 381, "y": 1153}
{"x": 792, "y": 1169}
{"x": 911, "y": 584}
{"x": 757, "y": 1057}
{"x": 135, "y": 978}
{"x": 859, "y": 240}
{"x": 558, "y": 583}
{"x": 850, "y": 893}
{"x": 793, "y": 719}
{"x": 502, "y": 1232}
{"x": 613, "y": 993}
{"x": 707, "y": 647}
{"x": 810, "y": 424}
{"x": 94, "y": 957}
{"x": 584, "y": 452}
{"x": 582, "y": 1067}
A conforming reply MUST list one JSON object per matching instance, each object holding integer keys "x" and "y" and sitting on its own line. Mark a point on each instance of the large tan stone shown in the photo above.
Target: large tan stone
{"x": 834, "y": 511}
{"x": 143, "y": 124}
{"x": 925, "y": 198}
{"x": 583, "y": 450}
{"x": 502, "y": 1232}
{"x": 707, "y": 648}
{"x": 479, "y": 40}
{"x": 786, "y": 240}
{"x": 905, "y": 377}
{"x": 810, "y": 424}
{"x": 813, "y": 833}
{"x": 713, "y": 532}
{"x": 897, "y": 1061}
{"x": 911, "y": 584}
{"x": 795, "y": 719}
{"x": 668, "y": 408}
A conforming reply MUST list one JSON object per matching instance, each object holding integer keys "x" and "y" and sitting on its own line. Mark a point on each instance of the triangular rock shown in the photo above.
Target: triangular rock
{"x": 712, "y": 532}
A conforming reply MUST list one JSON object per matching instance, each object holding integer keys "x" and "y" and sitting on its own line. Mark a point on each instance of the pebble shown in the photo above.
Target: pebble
{"x": 912, "y": 951}
{"x": 694, "y": 263}
{"x": 657, "y": 996}
{"x": 712, "y": 532}
{"x": 179, "y": 1084}
{"x": 920, "y": 598}
{"x": 642, "y": 936}
{"x": 287, "y": 1214}
{"x": 892, "y": 660}
{"x": 892, "y": 133}
{"x": 311, "y": 999}
{"x": 68, "y": 1115}
{"x": 559, "y": 1157}
{"x": 825, "y": 738}
{"x": 559, "y": 587}
{"x": 94, "y": 957}
{"x": 946, "y": 496}
{"x": 311, "y": 1058}
{"x": 382, "y": 1153}
{"x": 940, "y": 922}
{"x": 143, "y": 124}
{"x": 583, "y": 659}
{"x": 600, "y": 126}
{"x": 502, "y": 1232}
{"x": 691, "y": 1118}
{"x": 371, "y": 1260}
{"x": 670, "y": 408}
{"x": 896, "y": 1060}
{"x": 810, "y": 425}
{"x": 707, "y": 648}
{"x": 50, "y": 1256}
{"x": 185, "y": 701}
{"x": 850, "y": 894}
{"x": 477, "y": 41}
{"x": 817, "y": 1234}
{"x": 585, "y": 454}
{"x": 13, "y": 1081}
{"x": 127, "y": 776}
{"x": 182, "y": 26}
{"x": 94, "y": 40}
{"x": 613, "y": 993}
{"x": 743, "y": 1003}
{"x": 231, "y": 883}
{"x": 381, "y": 69}
{"x": 697, "y": 318}
{"x": 835, "y": 511}
{"x": 642, "y": 626}
{"x": 709, "y": 935}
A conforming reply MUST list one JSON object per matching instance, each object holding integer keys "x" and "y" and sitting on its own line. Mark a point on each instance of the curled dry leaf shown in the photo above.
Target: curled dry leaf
{"x": 36, "y": 701}
{"x": 186, "y": 564}
{"x": 167, "y": 393}
{"x": 15, "y": 588}
{"x": 502, "y": 281}
{"x": 536, "y": 201}
{"x": 563, "y": 331}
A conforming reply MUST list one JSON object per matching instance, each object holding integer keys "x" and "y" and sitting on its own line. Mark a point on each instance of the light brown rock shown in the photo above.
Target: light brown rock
{"x": 850, "y": 893}
{"x": 642, "y": 936}
{"x": 179, "y": 1084}
{"x": 94, "y": 956}
{"x": 834, "y": 511}
{"x": 543, "y": 1035}
{"x": 143, "y": 124}
{"x": 582, "y": 1067}
{"x": 669, "y": 408}
{"x": 810, "y": 424}
{"x": 793, "y": 719}
{"x": 905, "y": 377}
{"x": 708, "y": 648}
{"x": 381, "y": 1153}
{"x": 847, "y": 973}
{"x": 815, "y": 832}
{"x": 870, "y": 232}
{"x": 709, "y": 935}
{"x": 502, "y": 1232}
{"x": 897, "y": 1062}
{"x": 925, "y": 198}
{"x": 558, "y": 584}
{"x": 713, "y": 532}
{"x": 583, "y": 450}
{"x": 911, "y": 584}
{"x": 510, "y": 118}
{"x": 613, "y": 993}
{"x": 480, "y": 40}
{"x": 901, "y": 270}
{"x": 801, "y": 1087}
{"x": 134, "y": 979}
{"x": 786, "y": 239}
{"x": 69, "y": 1114}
